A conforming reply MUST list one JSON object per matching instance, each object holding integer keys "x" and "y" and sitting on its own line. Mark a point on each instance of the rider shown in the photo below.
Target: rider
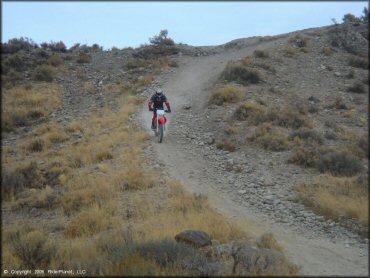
{"x": 157, "y": 101}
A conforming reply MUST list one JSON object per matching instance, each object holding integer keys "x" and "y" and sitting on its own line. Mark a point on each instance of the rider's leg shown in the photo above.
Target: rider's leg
{"x": 154, "y": 121}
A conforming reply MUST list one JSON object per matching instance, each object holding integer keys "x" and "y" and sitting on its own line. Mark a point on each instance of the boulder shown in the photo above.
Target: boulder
{"x": 194, "y": 237}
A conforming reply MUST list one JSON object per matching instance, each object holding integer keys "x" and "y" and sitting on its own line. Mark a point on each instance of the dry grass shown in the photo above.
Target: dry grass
{"x": 334, "y": 196}
{"x": 89, "y": 222}
{"x": 359, "y": 62}
{"x": 187, "y": 211}
{"x": 29, "y": 247}
{"x": 289, "y": 51}
{"x": 55, "y": 60}
{"x": 267, "y": 240}
{"x": 249, "y": 110}
{"x": 236, "y": 72}
{"x": 227, "y": 94}
{"x": 226, "y": 146}
{"x": 327, "y": 51}
{"x": 270, "y": 138}
{"x": 44, "y": 73}
{"x": 261, "y": 53}
{"x": 22, "y": 106}
{"x": 306, "y": 157}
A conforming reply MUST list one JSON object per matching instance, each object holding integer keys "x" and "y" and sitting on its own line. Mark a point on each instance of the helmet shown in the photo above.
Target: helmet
{"x": 158, "y": 91}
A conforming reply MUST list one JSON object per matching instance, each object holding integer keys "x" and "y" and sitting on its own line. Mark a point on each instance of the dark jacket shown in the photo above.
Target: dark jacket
{"x": 157, "y": 102}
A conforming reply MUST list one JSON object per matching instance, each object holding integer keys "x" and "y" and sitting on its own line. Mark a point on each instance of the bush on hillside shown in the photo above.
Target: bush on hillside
{"x": 33, "y": 248}
{"x": 261, "y": 53}
{"x": 55, "y": 60}
{"x": 250, "y": 110}
{"x": 358, "y": 88}
{"x": 359, "y": 62}
{"x": 240, "y": 74}
{"x": 57, "y": 46}
{"x": 84, "y": 58}
{"x": 162, "y": 39}
{"x": 308, "y": 135}
{"x": 15, "y": 45}
{"x": 44, "y": 73}
{"x": 306, "y": 157}
{"x": 227, "y": 94}
{"x": 339, "y": 163}
{"x": 15, "y": 62}
{"x": 16, "y": 180}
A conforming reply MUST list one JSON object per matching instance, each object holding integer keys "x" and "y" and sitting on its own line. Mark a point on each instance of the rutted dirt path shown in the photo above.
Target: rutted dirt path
{"x": 319, "y": 251}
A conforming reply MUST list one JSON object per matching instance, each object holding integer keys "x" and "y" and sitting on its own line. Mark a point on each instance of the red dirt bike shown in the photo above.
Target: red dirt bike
{"x": 160, "y": 124}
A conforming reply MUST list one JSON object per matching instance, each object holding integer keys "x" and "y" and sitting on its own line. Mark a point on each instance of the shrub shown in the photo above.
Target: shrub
{"x": 83, "y": 58}
{"x": 363, "y": 144}
{"x": 289, "y": 51}
{"x": 42, "y": 53}
{"x": 249, "y": 110}
{"x": 270, "y": 138}
{"x": 58, "y": 46}
{"x": 136, "y": 63}
{"x": 304, "y": 49}
{"x": 12, "y": 78}
{"x": 358, "y": 62}
{"x": 340, "y": 103}
{"x": 307, "y": 134}
{"x": 15, "y": 62}
{"x": 350, "y": 18}
{"x": 268, "y": 241}
{"x": 327, "y": 51}
{"x": 89, "y": 222}
{"x": 155, "y": 51}
{"x": 351, "y": 74}
{"x": 44, "y": 73}
{"x": 55, "y": 60}
{"x": 36, "y": 145}
{"x": 288, "y": 117}
{"x": 339, "y": 163}
{"x": 226, "y": 145}
{"x": 358, "y": 88}
{"x": 241, "y": 74}
{"x": 161, "y": 39}
{"x": 15, "y": 45}
{"x": 34, "y": 248}
{"x": 14, "y": 180}
{"x": 165, "y": 252}
{"x": 300, "y": 41}
{"x": 306, "y": 157}
{"x": 261, "y": 53}
{"x": 227, "y": 94}
{"x": 335, "y": 197}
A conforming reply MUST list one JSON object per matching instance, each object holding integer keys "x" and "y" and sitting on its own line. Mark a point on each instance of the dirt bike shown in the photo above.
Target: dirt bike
{"x": 160, "y": 124}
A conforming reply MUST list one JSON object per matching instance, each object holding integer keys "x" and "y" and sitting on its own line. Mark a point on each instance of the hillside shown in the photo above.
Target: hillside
{"x": 268, "y": 135}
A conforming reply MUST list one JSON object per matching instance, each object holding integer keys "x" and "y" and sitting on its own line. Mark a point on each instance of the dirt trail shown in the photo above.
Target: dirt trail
{"x": 189, "y": 85}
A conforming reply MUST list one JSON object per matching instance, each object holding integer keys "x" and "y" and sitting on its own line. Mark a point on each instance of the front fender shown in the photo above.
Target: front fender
{"x": 162, "y": 120}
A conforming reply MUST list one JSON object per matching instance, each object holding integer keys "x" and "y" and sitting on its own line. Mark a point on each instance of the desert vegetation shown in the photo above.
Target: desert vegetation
{"x": 295, "y": 125}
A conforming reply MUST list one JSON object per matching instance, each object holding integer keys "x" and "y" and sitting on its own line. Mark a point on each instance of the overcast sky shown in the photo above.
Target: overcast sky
{"x": 123, "y": 24}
